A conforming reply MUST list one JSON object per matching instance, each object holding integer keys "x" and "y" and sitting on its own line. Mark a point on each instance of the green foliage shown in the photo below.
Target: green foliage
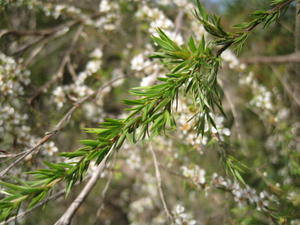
{"x": 193, "y": 67}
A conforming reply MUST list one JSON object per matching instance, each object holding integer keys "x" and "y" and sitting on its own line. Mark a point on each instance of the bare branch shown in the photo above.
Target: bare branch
{"x": 104, "y": 191}
{"x": 297, "y": 36}
{"x": 290, "y": 58}
{"x": 66, "y": 218}
{"x": 41, "y": 32}
{"x": 286, "y": 87}
{"x": 178, "y": 21}
{"x": 159, "y": 186}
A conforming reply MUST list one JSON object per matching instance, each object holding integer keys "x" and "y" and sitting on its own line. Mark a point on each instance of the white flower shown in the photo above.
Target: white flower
{"x": 226, "y": 131}
{"x": 148, "y": 81}
{"x": 104, "y": 6}
{"x": 201, "y": 176}
{"x": 179, "y": 209}
{"x": 93, "y": 66}
{"x": 97, "y": 53}
{"x": 175, "y": 37}
{"x": 138, "y": 63}
{"x": 59, "y": 96}
{"x": 229, "y": 57}
{"x": 50, "y": 148}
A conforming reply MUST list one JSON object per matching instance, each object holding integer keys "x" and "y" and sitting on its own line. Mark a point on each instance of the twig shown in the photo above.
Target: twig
{"x": 104, "y": 191}
{"x": 40, "y": 142}
{"x": 230, "y": 99}
{"x": 159, "y": 186}
{"x": 29, "y": 44}
{"x": 290, "y": 58}
{"x": 72, "y": 70}
{"x": 34, "y": 53}
{"x": 55, "y": 32}
{"x": 297, "y": 36}
{"x": 178, "y": 21}
{"x": 286, "y": 87}
{"x": 58, "y": 126}
{"x": 41, "y": 32}
{"x": 66, "y": 218}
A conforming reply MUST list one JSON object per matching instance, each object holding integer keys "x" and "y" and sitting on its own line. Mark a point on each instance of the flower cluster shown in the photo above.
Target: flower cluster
{"x": 145, "y": 68}
{"x": 158, "y": 19}
{"x": 197, "y": 174}
{"x": 262, "y": 99}
{"x": 65, "y": 11}
{"x": 233, "y": 62}
{"x": 244, "y": 195}
{"x": 12, "y": 77}
{"x": 110, "y": 19}
{"x": 107, "y": 21}
{"x": 11, "y": 119}
{"x": 182, "y": 217}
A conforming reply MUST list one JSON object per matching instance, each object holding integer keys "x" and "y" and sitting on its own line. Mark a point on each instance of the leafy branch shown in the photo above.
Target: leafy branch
{"x": 225, "y": 39}
{"x": 193, "y": 69}
{"x": 192, "y": 66}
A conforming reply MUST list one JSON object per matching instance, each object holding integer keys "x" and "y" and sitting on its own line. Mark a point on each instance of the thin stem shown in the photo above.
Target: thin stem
{"x": 104, "y": 191}
{"x": 297, "y": 37}
{"x": 159, "y": 186}
{"x": 66, "y": 218}
{"x": 290, "y": 58}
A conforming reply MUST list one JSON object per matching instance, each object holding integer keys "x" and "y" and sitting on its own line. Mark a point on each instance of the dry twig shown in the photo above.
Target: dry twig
{"x": 159, "y": 186}
{"x": 290, "y": 58}
{"x": 66, "y": 218}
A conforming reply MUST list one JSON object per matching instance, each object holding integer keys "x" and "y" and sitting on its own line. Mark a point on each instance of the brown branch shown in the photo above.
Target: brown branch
{"x": 159, "y": 187}
{"x": 66, "y": 218}
{"x": 71, "y": 70}
{"x": 178, "y": 21}
{"x": 290, "y": 58}
{"x": 286, "y": 87}
{"x": 21, "y": 158}
{"x": 104, "y": 191}
{"x": 41, "y": 32}
{"x": 297, "y": 36}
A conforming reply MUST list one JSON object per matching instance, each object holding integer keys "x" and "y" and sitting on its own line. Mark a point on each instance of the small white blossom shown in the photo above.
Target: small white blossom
{"x": 49, "y": 148}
